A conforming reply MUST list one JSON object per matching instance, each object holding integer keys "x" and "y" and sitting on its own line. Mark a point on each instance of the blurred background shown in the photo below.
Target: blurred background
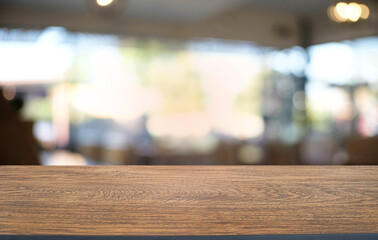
{"x": 188, "y": 82}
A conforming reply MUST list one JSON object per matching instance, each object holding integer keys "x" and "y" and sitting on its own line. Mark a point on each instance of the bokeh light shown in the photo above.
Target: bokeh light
{"x": 344, "y": 12}
{"x": 354, "y": 12}
{"x": 365, "y": 12}
{"x": 9, "y": 92}
{"x": 104, "y": 3}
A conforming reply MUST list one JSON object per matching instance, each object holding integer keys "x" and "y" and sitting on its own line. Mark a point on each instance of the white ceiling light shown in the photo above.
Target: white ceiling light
{"x": 104, "y": 3}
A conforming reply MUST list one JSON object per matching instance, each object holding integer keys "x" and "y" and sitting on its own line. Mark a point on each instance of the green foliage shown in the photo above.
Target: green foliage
{"x": 141, "y": 53}
{"x": 38, "y": 109}
{"x": 179, "y": 85}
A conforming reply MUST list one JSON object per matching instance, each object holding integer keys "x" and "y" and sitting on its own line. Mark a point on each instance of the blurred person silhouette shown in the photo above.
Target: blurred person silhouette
{"x": 17, "y": 144}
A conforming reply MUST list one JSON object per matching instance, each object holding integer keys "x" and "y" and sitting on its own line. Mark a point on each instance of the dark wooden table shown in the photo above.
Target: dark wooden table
{"x": 188, "y": 200}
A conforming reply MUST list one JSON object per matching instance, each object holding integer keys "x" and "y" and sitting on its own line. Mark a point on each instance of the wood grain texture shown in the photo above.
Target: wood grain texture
{"x": 188, "y": 200}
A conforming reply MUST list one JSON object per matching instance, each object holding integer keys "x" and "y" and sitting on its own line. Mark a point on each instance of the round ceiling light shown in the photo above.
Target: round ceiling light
{"x": 348, "y": 12}
{"x": 104, "y": 3}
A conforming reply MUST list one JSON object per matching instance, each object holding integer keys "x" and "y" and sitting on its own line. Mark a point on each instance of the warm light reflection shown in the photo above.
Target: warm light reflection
{"x": 354, "y": 12}
{"x": 341, "y": 10}
{"x": 104, "y": 3}
{"x": 331, "y": 14}
{"x": 365, "y": 12}
{"x": 351, "y": 12}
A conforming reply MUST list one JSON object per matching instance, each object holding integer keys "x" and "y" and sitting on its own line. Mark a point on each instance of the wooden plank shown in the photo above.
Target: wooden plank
{"x": 359, "y": 236}
{"x": 188, "y": 200}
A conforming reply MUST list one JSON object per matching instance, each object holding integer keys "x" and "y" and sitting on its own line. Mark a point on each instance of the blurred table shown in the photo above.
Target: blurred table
{"x": 188, "y": 200}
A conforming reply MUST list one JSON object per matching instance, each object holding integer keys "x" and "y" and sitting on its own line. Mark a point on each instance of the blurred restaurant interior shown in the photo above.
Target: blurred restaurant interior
{"x": 151, "y": 82}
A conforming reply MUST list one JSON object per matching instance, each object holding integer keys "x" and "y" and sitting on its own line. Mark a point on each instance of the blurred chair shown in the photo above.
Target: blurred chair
{"x": 362, "y": 151}
{"x": 280, "y": 154}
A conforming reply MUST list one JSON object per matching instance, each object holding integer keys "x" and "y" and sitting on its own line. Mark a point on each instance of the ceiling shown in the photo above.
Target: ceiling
{"x": 267, "y": 22}
{"x": 180, "y": 10}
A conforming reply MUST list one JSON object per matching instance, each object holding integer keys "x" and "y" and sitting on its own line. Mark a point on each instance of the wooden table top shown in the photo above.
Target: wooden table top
{"x": 188, "y": 200}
